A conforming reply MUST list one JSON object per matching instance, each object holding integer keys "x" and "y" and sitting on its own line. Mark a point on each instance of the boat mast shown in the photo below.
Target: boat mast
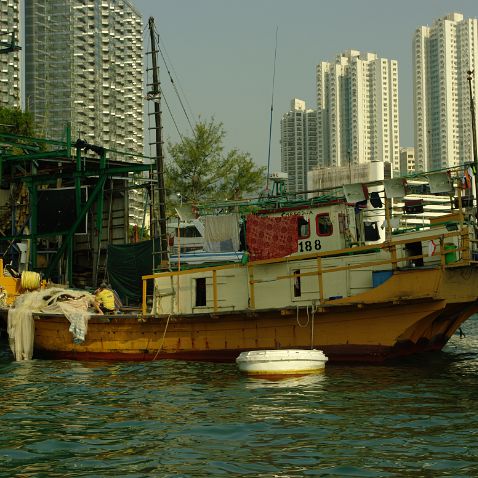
{"x": 156, "y": 95}
{"x": 470, "y": 74}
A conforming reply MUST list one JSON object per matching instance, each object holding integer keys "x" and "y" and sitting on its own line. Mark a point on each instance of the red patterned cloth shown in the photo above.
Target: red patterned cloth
{"x": 271, "y": 237}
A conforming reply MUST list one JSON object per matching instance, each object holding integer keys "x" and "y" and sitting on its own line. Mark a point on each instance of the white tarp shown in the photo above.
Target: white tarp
{"x": 221, "y": 233}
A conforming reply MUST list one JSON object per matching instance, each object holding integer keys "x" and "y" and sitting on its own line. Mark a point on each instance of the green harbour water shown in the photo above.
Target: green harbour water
{"x": 414, "y": 418}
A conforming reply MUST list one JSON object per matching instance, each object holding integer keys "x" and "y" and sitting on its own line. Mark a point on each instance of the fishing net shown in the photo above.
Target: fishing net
{"x": 76, "y": 306}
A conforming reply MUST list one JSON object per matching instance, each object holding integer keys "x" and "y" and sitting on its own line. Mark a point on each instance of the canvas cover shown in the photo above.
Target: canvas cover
{"x": 127, "y": 263}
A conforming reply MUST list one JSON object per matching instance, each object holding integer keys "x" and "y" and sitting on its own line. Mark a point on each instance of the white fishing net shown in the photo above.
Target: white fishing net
{"x": 77, "y": 306}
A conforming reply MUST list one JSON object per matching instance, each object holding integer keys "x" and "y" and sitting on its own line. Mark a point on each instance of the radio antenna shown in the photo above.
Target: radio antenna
{"x": 272, "y": 109}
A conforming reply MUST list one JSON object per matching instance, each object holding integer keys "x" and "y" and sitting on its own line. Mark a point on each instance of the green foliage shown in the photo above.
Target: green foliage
{"x": 200, "y": 170}
{"x": 16, "y": 121}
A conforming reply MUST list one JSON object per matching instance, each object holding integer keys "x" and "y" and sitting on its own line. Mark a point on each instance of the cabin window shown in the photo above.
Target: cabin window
{"x": 304, "y": 227}
{"x": 200, "y": 291}
{"x": 297, "y": 291}
{"x": 324, "y": 224}
{"x": 414, "y": 249}
{"x": 371, "y": 232}
{"x": 188, "y": 231}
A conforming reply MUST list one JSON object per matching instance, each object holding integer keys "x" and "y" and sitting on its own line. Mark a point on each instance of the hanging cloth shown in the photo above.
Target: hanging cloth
{"x": 413, "y": 206}
{"x": 221, "y": 233}
{"x": 375, "y": 200}
{"x": 440, "y": 182}
{"x": 467, "y": 179}
{"x": 271, "y": 237}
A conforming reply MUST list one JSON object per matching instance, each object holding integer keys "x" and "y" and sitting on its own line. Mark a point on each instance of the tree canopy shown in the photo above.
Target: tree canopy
{"x": 16, "y": 121}
{"x": 200, "y": 169}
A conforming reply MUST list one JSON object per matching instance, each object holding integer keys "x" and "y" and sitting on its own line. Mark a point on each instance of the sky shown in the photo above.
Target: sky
{"x": 220, "y": 54}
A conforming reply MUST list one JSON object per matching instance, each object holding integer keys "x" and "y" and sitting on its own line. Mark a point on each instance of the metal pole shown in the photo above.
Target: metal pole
{"x": 473, "y": 130}
{"x": 350, "y": 166}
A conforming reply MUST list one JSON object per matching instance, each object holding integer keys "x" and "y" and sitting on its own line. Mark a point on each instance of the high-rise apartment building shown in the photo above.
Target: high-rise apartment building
{"x": 407, "y": 161}
{"x": 357, "y": 104}
{"x": 84, "y": 66}
{"x": 442, "y": 56}
{"x": 298, "y": 144}
{"x": 9, "y": 57}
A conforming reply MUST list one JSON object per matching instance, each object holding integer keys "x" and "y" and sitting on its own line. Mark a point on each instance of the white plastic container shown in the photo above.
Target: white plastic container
{"x": 281, "y": 362}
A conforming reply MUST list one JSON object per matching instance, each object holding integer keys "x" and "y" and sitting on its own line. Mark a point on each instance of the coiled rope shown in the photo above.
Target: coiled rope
{"x": 30, "y": 280}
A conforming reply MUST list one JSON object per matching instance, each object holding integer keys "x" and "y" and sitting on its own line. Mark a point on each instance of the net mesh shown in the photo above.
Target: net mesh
{"x": 76, "y": 306}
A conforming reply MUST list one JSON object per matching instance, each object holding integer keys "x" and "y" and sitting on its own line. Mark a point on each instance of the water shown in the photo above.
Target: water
{"x": 163, "y": 419}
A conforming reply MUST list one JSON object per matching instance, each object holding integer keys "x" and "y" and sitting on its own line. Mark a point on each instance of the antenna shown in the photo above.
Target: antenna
{"x": 272, "y": 109}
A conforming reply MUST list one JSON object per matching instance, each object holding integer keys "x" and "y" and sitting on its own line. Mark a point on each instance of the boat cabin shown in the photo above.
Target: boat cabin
{"x": 316, "y": 251}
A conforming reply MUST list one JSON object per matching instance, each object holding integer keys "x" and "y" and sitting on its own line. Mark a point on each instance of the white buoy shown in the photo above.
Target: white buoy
{"x": 281, "y": 362}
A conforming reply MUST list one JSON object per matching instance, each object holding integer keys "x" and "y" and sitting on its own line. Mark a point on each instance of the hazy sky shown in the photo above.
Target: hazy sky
{"x": 221, "y": 55}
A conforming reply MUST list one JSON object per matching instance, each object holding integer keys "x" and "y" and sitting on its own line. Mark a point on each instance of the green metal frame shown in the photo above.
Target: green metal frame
{"x": 30, "y": 150}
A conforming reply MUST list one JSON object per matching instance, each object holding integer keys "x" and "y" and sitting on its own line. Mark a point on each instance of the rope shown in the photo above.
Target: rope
{"x": 312, "y": 328}
{"x": 162, "y": 340}
{"x": 297, "y": 317}
{"x": 30, "y": 280}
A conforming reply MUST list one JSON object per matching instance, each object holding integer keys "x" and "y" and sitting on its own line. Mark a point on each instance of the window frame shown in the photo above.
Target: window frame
{"x": 301, "y": 238}
{"x": 317, "y": 217}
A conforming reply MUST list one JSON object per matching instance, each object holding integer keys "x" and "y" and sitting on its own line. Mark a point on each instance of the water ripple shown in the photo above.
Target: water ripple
{"x": 71, "y": 419}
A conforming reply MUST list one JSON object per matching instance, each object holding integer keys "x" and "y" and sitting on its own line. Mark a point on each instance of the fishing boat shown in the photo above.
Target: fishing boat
{"x": 319, "y": 276}
{"x": 362, "y": 272}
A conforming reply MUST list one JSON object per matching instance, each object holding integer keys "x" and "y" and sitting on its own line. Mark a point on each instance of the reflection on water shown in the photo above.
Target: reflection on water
{"x": 304, "y": 381}
{"x": 416, "y": 417}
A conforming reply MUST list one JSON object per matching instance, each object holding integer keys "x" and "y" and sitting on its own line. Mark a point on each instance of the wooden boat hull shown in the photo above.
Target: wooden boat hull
{"x": 369, "y": 327}
{"x": 371, "y": 334}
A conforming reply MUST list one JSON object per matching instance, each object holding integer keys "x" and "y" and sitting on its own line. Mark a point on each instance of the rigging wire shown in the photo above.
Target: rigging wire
{"x": 172, "y": 80}
{"x": 272, "y": 109}
{"x": 171, "y": 114}
{"x": 178, "y": 82}
{"x": 162, "y": 94}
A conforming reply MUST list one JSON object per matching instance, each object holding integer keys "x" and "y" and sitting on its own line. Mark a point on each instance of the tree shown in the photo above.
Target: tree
{"x": 16, "y": 121}
{"x": 200, "y": 170}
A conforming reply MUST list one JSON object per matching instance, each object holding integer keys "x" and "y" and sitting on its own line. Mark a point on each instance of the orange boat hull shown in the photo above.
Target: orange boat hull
{"x": 373, "y": 334}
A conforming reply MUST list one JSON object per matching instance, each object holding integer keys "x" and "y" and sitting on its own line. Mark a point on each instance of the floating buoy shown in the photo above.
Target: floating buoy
{"x": 281, "y": 362}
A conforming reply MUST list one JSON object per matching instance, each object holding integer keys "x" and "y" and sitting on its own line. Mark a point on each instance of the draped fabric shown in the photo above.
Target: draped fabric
{"x": 221, "y": 233}
{"x": 127, "y": 263}
{"x": 271, "y": 237}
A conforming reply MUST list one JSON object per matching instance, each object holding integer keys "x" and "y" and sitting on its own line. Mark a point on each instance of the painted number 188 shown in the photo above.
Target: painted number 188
{"x": 309, "y": 246}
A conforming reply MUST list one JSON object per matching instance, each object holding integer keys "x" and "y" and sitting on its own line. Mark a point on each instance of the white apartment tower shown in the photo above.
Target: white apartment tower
{"x": 9, "y": 60}
{"x": 357, "y": 103}
{"x": 407, "y": 161}
{"x": 298, "y": 144}
{"x": 442, "y": 55}
{"x": 84, "y": 66}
